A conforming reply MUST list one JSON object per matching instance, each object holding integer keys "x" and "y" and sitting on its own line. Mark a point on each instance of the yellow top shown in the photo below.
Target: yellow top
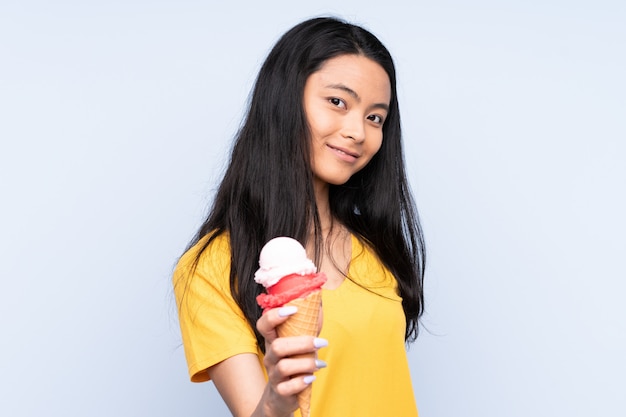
{"x": 367, "y": 373}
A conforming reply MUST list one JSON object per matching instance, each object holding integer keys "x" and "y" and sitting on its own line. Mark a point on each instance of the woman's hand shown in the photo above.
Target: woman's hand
{"x": 288, "y": 372}
{"x": 240, "y": 380}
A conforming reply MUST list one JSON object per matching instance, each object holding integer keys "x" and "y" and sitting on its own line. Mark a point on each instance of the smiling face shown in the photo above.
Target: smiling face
{"x": 346, "y": 102}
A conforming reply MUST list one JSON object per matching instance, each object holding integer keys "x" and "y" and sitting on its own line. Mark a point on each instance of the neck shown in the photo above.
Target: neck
{"x": 323, "y": 205}
{"x": 332, "y": 250}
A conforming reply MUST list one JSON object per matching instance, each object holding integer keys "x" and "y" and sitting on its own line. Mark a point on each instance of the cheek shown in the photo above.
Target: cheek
{"x": 377, "y": 142}
{"x": 321, "y": 124}
{"x": 371, "y": 151}
{"x": 373, "y": 146}
{"x": 380, "y": 142}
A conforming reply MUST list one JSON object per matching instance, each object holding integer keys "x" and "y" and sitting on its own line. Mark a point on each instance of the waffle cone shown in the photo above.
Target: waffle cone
{"x": 306, "y": 322}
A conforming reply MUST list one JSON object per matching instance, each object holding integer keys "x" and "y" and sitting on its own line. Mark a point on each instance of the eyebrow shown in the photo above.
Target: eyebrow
{"x": 354, "y": 94}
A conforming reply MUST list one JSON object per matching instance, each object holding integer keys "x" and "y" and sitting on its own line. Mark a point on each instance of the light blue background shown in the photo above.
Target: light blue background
{"x": 115, "y": 123}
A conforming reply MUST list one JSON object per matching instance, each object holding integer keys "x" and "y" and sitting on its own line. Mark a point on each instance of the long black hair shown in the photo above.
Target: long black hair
{"x": 267, "y": 190}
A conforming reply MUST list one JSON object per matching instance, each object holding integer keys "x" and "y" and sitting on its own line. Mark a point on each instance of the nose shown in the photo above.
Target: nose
{"x": 354, "y": 128}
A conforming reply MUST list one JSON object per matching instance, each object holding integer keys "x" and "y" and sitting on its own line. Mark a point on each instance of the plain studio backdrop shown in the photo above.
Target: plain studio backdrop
{"x": 115, "y": 122}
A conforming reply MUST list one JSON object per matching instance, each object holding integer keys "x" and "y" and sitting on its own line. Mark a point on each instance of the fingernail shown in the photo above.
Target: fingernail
{"x": 287, "y": 311}
{"x": 320, "y": 343}
{"x": 320, "y": 363}
{"x": 308, "y": 379}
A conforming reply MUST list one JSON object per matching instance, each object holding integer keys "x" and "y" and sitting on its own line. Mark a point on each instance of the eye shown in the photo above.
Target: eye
{"x": 376, "y": 119}
{"x": 337, "y": 102}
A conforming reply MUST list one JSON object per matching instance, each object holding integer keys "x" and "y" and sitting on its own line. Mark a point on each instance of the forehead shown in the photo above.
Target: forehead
{"x": 361, "y": 74}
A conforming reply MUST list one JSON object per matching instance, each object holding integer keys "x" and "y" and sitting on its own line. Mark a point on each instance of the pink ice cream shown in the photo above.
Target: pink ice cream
{"x": 286, "y": 273}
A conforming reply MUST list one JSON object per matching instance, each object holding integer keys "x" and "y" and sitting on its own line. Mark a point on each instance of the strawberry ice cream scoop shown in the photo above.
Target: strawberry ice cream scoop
{"x": 286, "y": 273}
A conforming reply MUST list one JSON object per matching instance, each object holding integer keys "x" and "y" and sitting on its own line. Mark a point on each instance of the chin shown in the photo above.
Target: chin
{"x": 338, "y": 181}
{"x": 336, "y": 178}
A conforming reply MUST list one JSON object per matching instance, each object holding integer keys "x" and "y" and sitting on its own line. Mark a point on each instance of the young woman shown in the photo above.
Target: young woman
{"x": 319, "y": 158}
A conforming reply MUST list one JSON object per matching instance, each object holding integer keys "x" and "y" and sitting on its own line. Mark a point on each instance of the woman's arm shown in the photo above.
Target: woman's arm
{"x": 240, "y": 380}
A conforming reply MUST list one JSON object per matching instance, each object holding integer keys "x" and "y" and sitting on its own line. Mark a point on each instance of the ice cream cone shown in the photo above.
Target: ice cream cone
{"x": 306, "y": 322}
{"x": 290, "y": 279}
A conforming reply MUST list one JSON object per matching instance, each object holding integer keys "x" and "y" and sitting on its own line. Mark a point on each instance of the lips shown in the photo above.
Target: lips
{"x": 351, "y": 155}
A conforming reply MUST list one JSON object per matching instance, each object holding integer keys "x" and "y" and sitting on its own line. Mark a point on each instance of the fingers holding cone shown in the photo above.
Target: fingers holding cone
{"x": 291, "y": 344}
